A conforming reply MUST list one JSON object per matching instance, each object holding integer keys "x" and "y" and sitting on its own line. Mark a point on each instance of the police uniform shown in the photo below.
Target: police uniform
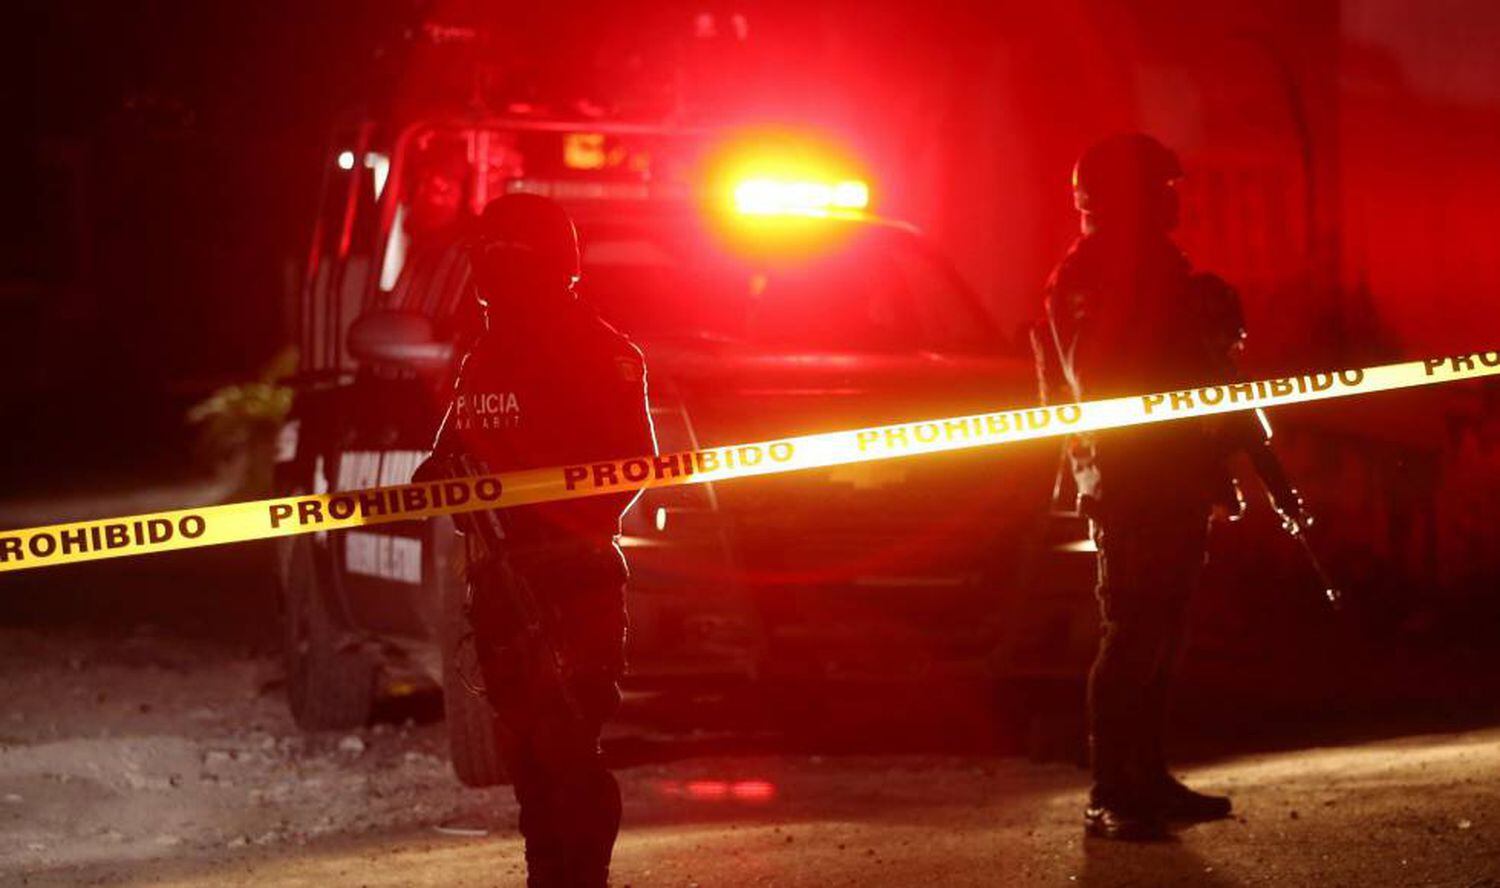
{"x": 550, "y": 383}
{"x": 1121, "y": 319}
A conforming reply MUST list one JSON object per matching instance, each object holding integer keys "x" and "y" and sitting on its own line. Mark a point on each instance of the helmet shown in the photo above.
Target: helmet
{"x": 1120, "y": 175}
{"x": 524, "y": 239}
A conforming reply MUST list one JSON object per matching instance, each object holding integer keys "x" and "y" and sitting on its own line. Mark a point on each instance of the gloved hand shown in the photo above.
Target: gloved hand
{"x": 1228, "y": 502}
{"x": 1293, "y": 511}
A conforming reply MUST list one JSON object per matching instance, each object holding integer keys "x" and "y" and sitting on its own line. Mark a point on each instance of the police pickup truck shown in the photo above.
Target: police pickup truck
{"x": 788, "y": 310}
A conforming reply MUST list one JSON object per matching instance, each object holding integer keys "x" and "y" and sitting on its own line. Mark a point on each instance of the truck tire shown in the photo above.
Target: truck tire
{"x": 330, "y": 684}
{"x": 473, "y": 738}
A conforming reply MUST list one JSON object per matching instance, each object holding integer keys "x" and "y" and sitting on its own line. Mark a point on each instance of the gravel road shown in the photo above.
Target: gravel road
{"x": 150, "y": 760}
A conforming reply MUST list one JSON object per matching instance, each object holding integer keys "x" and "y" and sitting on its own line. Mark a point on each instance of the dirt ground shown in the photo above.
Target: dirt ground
{"x": 143, "y": 759}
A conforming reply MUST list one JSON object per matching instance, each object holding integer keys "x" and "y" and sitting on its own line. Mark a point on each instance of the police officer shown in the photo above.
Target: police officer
{"x": 548, "y": 383}
{"x": 1120, "y": 319}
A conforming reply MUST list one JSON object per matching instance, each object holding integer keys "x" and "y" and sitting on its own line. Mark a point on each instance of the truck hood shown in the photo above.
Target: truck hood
{"x": 918, "y": 515}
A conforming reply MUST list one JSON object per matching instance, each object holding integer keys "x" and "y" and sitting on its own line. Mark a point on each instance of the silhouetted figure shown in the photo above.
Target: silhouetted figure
{"x": 548, "y": 383}
{"x": 1122, "y": 318}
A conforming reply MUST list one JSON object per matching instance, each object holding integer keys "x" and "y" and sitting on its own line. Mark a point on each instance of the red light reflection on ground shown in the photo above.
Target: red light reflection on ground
{"x": 752, "y": 791}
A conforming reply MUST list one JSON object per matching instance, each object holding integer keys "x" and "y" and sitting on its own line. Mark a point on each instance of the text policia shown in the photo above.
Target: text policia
{"x": 261, "y": 519}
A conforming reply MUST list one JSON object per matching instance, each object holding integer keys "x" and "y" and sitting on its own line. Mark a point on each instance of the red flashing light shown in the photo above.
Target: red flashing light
{"x": 774, "y": 197}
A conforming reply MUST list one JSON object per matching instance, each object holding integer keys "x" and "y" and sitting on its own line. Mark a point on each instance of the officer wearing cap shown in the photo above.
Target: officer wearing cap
{"x": 549, "y": 383}
{"x": 1121, "y": 318}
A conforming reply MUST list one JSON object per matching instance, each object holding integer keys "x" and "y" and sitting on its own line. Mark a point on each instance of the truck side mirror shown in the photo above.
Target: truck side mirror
{"x": 399, "y": 337}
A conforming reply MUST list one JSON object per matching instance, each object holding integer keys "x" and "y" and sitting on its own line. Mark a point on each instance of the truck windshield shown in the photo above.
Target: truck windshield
{"x": 880, "y": 291}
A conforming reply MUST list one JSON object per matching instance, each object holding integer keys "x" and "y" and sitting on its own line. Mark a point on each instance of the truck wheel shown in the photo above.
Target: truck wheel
{"x": 329, "y": 686}
{"x": 473, "y": 739}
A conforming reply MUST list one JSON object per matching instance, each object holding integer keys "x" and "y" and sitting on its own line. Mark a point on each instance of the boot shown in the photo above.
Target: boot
{"x": 1123, "y": 823}
{"x": 1168, "y": 794}
{"x": 1177, "y": 802}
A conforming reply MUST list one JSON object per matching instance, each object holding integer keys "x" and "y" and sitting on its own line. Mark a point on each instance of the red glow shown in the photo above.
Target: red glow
{"x": 750, "y": 791}
{"x": 771, "y": 191}
{"x": 753, "y": 790}
{"x": 773, "y": 197}
{"x": 707, "y": 789}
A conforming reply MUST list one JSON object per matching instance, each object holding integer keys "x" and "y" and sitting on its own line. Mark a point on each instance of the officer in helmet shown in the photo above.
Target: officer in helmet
{"x": 547, "y": 383}
{"x": 1121, "y": 318}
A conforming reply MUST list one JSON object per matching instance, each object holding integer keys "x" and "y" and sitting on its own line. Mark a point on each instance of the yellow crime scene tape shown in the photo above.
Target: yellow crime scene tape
{"x": 285, "y": 516}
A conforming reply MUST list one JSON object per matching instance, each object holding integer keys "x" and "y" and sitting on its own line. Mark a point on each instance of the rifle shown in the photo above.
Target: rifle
{"x": 547, "y": 669}
{"x": 1287, "y": 502}
{"x": 1224, "y": 335}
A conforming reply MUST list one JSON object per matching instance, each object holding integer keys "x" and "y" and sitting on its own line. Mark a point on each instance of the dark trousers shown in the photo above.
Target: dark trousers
{"x": 1149, "y": 565}
{"x": 570, "y": 803}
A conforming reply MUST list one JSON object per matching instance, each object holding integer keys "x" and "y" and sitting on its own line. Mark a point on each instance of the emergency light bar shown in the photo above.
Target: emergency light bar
{"x": 780, "y": 197}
